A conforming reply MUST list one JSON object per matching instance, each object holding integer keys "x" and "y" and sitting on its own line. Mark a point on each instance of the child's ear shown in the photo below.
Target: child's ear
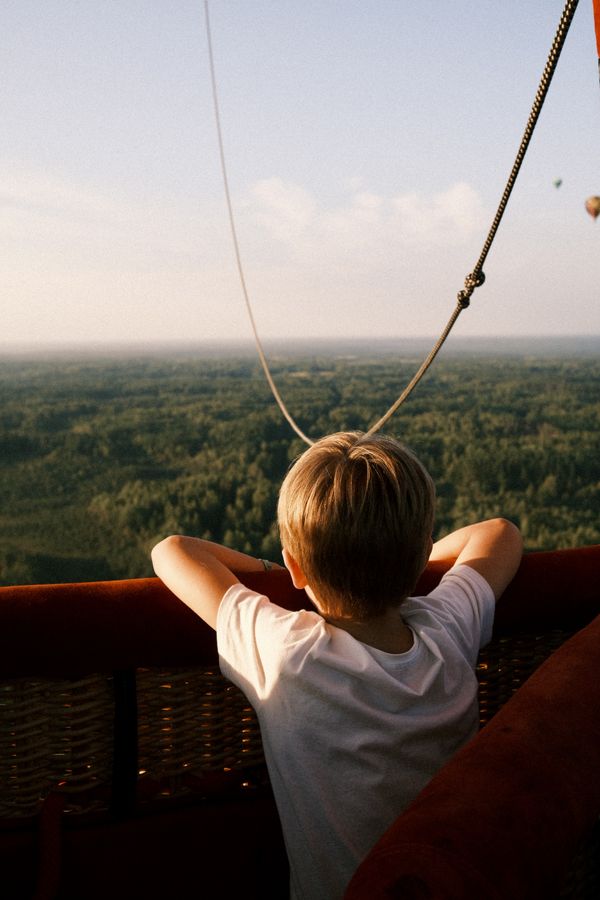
{"x": 298, "y": 577}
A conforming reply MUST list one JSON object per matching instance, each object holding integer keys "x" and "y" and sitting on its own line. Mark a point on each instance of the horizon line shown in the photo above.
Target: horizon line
{"x": 457, "y": 345}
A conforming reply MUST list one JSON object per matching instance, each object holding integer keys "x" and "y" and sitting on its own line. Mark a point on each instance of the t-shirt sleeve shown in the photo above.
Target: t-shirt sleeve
{"x": 465, "y": 602}
{"x": 252, "y": 634}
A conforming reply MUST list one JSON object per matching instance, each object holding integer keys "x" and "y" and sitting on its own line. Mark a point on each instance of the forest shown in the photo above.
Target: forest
{"x": 102, "y": 456}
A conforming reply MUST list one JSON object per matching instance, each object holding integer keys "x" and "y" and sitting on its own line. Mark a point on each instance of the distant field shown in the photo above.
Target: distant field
{"x": 101, "y": 456}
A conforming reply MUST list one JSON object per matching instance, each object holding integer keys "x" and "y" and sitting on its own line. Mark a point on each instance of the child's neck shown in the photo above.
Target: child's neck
{"x": 387, "y": 632}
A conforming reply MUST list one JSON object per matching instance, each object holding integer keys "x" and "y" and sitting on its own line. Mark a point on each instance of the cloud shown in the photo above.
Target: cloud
{"x": 86, "y": 261}
{"x": 360, "y": 225}
{"x": 279, "y": 223}
{"x": 31, "y": 189}
{"x": 452, "y": 215}
{"x": 316, "y": 266}
{"x": 62, "y": 222}
{"x": 283, "y": 209}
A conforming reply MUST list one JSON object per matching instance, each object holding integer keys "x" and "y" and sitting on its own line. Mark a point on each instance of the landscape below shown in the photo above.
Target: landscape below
{"x": 101, "y": 456}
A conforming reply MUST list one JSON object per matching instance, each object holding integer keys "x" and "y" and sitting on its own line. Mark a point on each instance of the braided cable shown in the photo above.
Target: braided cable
{"x": 472, "y": 281}
{"x": 477, "y": 277}
{"x": 418, "y": 374}
{"x": 549, "y": 69}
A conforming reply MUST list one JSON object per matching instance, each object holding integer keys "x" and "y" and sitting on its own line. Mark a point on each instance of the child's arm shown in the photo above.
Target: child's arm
{"x": 199, "y": 572}
{"x": 493, "y": 548}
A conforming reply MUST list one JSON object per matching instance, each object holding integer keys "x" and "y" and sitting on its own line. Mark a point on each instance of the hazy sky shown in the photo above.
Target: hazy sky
{"x": 368, "y": 144}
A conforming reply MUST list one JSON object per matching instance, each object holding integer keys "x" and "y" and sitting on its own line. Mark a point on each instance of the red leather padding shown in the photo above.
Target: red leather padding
{"x": 69, "y": 630}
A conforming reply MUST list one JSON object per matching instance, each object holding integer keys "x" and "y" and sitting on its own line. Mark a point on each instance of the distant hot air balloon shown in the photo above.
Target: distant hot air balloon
{"x": 557, "y": 182}
{"x": 592, "y": 204}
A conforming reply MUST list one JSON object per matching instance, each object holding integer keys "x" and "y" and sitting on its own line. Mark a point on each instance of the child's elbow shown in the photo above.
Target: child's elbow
{"x": 164, "y": 550}
{"x": 510, "y": 537}
{"x": 511, "y": 531}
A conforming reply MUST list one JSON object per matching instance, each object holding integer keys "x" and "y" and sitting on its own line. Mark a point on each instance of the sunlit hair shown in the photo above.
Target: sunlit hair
{"x": 356, "y": 513}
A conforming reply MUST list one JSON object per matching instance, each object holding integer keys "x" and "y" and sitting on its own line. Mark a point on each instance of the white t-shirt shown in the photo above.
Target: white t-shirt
{"x": 352, "y": 734}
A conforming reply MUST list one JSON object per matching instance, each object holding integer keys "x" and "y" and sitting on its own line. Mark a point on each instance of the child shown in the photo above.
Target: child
{"x": 363, "y": 701}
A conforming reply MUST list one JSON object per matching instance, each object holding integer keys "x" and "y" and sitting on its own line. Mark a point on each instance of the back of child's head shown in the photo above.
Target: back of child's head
{"x": 356, "y": 513}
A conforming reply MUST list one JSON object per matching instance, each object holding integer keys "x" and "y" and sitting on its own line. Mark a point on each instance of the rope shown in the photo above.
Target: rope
{"x": 477, "y": 276}
{"x": 549, "y": 69}
{"x": 236, "y": 246}
{"x": 474, "y": 280}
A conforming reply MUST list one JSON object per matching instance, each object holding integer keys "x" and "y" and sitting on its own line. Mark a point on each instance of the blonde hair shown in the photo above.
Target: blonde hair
{"x": 356, "y": 513}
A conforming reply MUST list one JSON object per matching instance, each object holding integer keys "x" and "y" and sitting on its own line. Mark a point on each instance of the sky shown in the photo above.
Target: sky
{"x": 367, "y": 145}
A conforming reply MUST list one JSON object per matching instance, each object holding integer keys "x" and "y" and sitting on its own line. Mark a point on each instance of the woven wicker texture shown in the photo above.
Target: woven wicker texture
{"x": 506, "y": 663}
{"x": 190, "y": 722}
{"x": 58, "y": 734}
{"x": 54, "y": 735}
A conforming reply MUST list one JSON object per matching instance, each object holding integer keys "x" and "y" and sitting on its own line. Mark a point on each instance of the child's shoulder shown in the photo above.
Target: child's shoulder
{"x": 462, "y": 604}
